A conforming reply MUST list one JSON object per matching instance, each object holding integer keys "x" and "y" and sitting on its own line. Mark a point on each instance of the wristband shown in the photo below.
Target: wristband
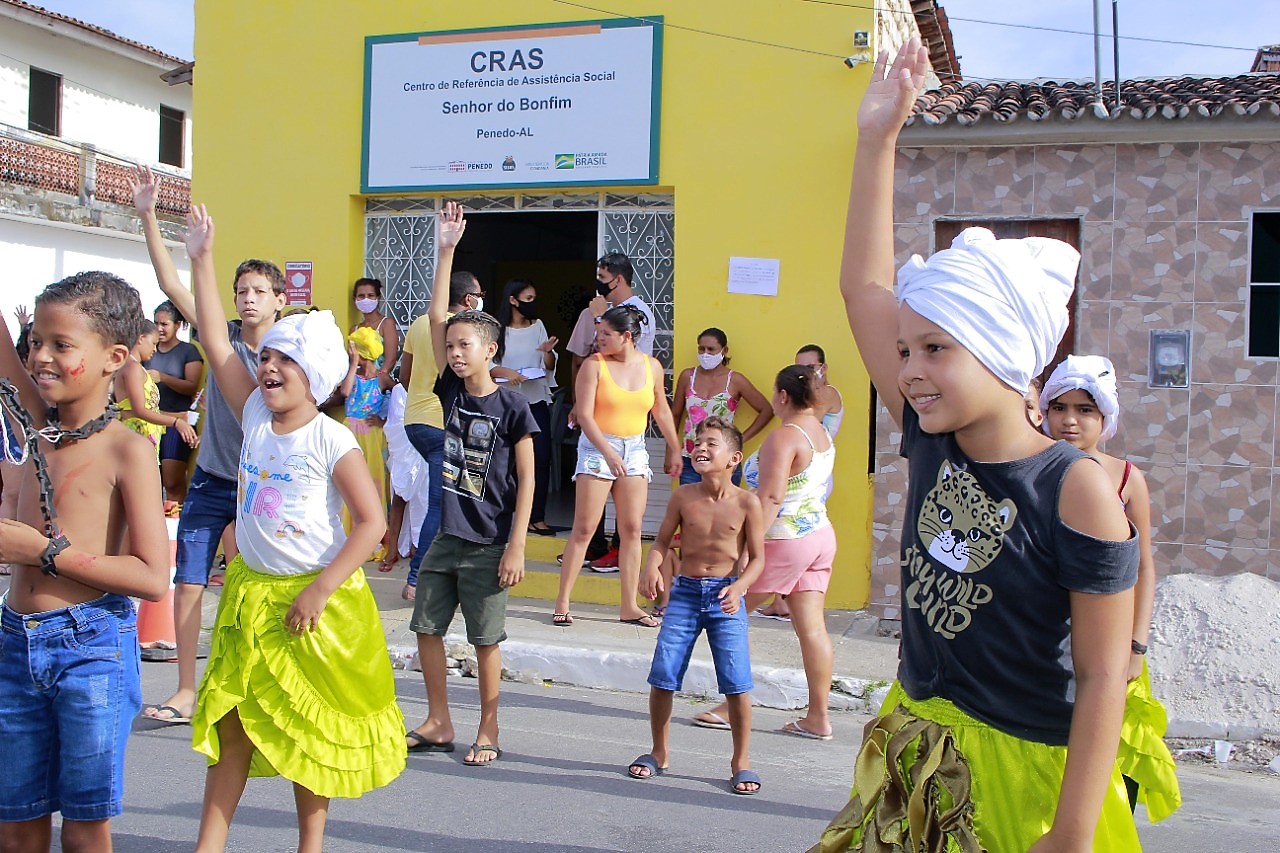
{"x": 56, "y": 546}
{"x": 1138, "y": 648}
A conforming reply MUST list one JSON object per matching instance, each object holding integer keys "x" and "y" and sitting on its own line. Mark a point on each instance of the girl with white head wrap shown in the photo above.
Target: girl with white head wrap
{"x": 1143, "y": 757}
{"x": 1096, "y": 376}
{"x": 1013, "y": 546}
{"x": 298, "y": 682}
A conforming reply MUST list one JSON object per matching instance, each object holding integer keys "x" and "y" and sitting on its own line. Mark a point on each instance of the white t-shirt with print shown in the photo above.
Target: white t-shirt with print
{"x": 289, "y": 514}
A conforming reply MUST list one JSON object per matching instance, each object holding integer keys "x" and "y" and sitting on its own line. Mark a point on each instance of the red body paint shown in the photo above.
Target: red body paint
{"x": 78, "y": 369}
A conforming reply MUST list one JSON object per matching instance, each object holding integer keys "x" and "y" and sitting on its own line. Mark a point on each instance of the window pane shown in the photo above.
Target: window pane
{"x": 1264, "y": 252}
{"x": 1264, "y": 321}
{"x": 44, "y": 105}
{"x": 171, "y": 122}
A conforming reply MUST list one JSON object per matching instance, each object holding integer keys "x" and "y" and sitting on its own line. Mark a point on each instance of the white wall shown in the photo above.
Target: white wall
{"x": 35, "y": 253}
{"x": 108, "y": 100}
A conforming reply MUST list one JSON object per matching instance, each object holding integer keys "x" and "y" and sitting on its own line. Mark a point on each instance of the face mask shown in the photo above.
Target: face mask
{"x": 604, "y": 289}
{"x": 819, "y": 372}
{"x": 707, "y": 361}
{"x": 479, "y": 302}
{"x": 364, "y": 306}
{"x": 529, "y": 310}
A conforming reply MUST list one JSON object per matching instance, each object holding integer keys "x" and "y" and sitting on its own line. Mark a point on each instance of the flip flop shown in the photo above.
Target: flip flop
{"x": 658, "y": 612}
{"x": 421, "y": 744}
{"x": 745, "y": 776}
{"x": 477, "y": 749}
{"x": 645, "y": 621}
{"x": 794, "y": 728}
{"x": 648, "y": 762}
{"x": 715, "y": 722}
{"x": 561, "y": 620}
{"x": 175, "y": 717}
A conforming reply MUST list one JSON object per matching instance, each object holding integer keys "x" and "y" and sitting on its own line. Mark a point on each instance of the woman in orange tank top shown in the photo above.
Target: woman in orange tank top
{"x": 617, "y": 390}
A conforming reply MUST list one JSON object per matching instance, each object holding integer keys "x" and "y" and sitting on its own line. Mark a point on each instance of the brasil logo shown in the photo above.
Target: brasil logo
{"x": 564, "y": 161}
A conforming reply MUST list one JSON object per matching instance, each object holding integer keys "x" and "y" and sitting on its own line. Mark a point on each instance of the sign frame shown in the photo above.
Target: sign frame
{"x": 654, "y": 22}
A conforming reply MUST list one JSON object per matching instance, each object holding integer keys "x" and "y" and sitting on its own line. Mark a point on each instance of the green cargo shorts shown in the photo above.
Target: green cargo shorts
{"x": 457, "y": 572}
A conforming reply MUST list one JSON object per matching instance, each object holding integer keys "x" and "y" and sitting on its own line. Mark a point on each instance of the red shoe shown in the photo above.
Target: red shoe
{"x": 606, "y": 564}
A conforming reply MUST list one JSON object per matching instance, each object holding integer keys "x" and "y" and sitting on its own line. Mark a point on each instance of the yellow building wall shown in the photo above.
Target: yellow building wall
{"x": 756, "y": 144}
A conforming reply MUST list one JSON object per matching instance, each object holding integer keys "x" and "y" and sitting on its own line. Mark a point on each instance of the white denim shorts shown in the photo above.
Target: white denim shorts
{"x": 631, "y": 448}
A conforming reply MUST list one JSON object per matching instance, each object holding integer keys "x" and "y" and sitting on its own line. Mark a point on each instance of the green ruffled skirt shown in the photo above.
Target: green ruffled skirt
{"x": 931, "y": 778}
{"x": 320, "y": 708}
{"x": 1143, "y": 756}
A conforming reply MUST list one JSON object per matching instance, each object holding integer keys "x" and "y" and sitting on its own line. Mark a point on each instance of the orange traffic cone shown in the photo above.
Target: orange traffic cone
{"x": 156, "y": 633}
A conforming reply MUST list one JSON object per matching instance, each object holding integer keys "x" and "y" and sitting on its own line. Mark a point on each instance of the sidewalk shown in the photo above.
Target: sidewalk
{"x": 598, "y": 651}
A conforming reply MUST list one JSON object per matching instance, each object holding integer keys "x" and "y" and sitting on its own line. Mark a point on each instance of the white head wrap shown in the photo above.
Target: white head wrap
{"x": 1094, "y": 374}
{"x": 316, "y": 343}
{"x": 1004, "y": 300}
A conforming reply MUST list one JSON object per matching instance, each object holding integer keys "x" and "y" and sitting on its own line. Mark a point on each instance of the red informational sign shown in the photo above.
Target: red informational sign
{"x": 297, "y": 280}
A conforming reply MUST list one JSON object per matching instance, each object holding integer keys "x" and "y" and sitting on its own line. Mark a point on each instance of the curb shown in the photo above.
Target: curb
{"x": 534, "y": 663}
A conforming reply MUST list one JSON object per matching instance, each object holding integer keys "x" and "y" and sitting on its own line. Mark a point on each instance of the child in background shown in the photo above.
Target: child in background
{"x": 134, "y": 382}
{"x": 719, "y": 524}
{"x": 1081, "y": 406}
{"x": 365, "y": 387}
{"x": 408, "y": 484}
{"x": 1017, "y": 562}
{"x": 298, "y": 682}
{"x": 485, "y": 509}
{"x": 69, "y": 661}
{"x": 1035, "y": 417}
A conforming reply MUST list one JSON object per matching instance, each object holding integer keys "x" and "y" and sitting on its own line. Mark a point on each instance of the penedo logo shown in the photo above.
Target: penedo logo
{"x": 509, "y": 164}
{"x": 564, "y": 161}
{"x": 457, "y": 165}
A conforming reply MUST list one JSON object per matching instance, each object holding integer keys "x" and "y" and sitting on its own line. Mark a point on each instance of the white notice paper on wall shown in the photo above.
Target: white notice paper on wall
{"x": 755, "y": 276}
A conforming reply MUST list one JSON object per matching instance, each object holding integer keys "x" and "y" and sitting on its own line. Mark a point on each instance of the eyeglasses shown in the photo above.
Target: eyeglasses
{"x": 479, "y": 293}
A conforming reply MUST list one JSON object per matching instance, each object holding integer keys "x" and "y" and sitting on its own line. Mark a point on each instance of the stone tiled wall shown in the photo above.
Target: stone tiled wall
{"x": 1165, "y": 238}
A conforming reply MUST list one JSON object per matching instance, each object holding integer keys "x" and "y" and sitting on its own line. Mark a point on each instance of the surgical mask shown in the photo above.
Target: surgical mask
{"x": 710, "y": 361}
{"x": 529, "y": 310}
{"x": 365, "y": 306}
{"x": 479, "y": 302}
{"x": 604, "y": 289}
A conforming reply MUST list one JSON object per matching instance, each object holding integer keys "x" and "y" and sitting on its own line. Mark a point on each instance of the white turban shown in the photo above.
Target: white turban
{"x": 316, "y": 343}
{"x": 1094, "y": 374}
{"x": 1004, "y": 300}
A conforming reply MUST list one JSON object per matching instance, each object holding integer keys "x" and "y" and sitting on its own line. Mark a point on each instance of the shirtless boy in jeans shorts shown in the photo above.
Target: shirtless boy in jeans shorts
{"x": 720, "y": 525}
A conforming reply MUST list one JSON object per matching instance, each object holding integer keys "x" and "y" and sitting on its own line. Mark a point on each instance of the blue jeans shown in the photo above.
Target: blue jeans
{"x": 210, "y": 506}
{"x": 69, "y": 689}
{"x": 688, "y": 476}
{"x": 695, "y": 607}
{"x": 429, "y": 442}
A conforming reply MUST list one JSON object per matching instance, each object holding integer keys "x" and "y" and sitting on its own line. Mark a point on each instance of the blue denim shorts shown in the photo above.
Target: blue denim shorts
{"x": 209, "y": 508}
{"x": 635, "y": 457}
{"x": 695, "y": 607}
{"x": 69, "y": 690}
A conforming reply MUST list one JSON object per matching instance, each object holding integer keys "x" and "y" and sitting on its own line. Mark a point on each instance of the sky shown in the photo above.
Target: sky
{"x": 986, "y": 51}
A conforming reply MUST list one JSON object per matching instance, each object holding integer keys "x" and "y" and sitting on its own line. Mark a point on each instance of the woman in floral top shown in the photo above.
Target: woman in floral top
{"x": 712, "y": 389}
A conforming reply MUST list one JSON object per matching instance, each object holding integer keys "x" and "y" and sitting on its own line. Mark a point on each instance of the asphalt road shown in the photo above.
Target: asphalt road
{"x": 561, "y": 785}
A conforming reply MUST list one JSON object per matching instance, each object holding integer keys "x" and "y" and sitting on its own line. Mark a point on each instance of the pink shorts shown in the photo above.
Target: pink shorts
{"x": 798, "y": 565}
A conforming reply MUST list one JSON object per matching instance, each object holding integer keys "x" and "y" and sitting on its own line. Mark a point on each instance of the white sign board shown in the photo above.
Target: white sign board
{"x": 555, "y": 104}
{"x": 754, "y": 276}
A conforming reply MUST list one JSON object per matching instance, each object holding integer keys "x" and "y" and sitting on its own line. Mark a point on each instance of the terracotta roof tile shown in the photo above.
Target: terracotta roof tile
{"x": 1171, "y": 98}
{"x": 75, "y": 22}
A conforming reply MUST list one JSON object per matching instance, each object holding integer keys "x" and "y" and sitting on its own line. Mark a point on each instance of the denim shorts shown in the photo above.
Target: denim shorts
{"x": 693, "y": 608}
{"x": 209, "y": 508}
{"x": 457, "y": 572}
{"x": 69, "y": 690}
{"x": 635, "y": 456}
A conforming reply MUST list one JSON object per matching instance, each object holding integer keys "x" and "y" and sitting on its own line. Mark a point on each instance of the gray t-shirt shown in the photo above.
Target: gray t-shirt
{"x": 174, "y": 362}
{"x": 221, "y": 438}
{"x": 987, "y": 570}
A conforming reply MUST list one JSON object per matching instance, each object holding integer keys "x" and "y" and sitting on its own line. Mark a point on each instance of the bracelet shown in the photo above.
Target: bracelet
{"x": 1138, "y": 648}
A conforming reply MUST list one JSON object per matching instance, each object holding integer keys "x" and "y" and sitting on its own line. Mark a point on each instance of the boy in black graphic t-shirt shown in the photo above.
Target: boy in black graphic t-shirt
{"x": 484, "y": 512}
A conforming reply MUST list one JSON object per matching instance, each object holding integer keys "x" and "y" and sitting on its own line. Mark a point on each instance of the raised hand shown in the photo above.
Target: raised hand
{"x": 893, "y": 90}
{"x": 450, "y": 226}
{"x": 199, "y": 236}
{"x": 22, "y": 315}
{"x": 549, "y": 344}
{"x": 145, "y": 187}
